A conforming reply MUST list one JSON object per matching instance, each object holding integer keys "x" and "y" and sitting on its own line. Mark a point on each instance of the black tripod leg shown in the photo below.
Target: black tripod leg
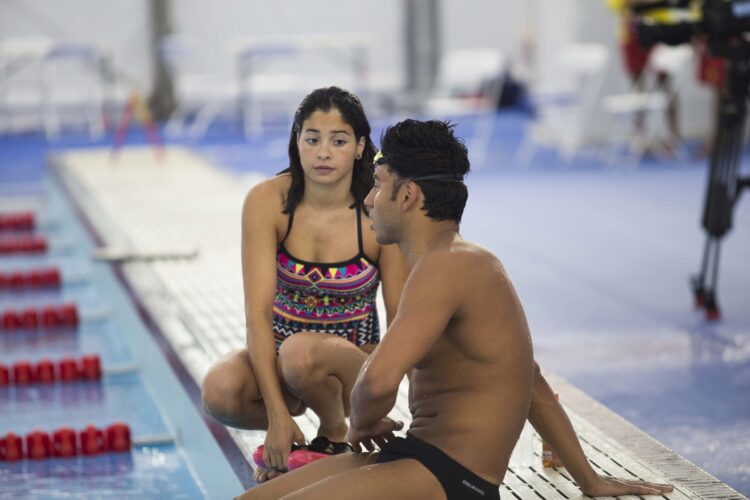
{"x": 698, "y": 282}
{"x": 710, "y": 302}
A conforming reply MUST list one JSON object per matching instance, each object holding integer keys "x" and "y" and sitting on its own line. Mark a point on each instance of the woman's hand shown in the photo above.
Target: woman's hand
{"x": 605, "y": 486}
{"x": 279, "y": 438}
{"x": 378, "y": 434}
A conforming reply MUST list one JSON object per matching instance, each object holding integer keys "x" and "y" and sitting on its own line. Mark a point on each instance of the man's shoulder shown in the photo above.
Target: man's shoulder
{"x": 460, "y": 257}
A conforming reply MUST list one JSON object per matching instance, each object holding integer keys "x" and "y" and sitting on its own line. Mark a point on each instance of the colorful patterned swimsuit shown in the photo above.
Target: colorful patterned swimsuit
{"x": 336, "y": 298}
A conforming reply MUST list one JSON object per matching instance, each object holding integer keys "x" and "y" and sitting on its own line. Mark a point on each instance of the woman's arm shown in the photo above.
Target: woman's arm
{"x": 259, "y": 241}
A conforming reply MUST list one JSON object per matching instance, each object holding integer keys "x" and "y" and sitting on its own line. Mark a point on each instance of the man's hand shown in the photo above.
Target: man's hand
{"x": 278, "y": 444}
{"x": 378, "y": 434}
{"x": 611, "y": 487}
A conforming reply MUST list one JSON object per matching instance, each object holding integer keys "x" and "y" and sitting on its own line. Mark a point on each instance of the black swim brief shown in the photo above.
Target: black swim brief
{"x": 458, "y": 482}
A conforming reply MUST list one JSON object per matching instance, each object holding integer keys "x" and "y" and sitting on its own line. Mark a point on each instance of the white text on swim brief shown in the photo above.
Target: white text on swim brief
{"x": 472, "y": 487}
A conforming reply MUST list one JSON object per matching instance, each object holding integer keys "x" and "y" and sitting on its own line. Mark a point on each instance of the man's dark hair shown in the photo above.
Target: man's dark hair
{"x": 429, "y": 154}
{"x": 325, "y": 99}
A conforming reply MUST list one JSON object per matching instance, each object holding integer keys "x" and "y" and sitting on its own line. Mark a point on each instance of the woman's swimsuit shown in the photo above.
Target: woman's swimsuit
{"x": 336, "y": 298}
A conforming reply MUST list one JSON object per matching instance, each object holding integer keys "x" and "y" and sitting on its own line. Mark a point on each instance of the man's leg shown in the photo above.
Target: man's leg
{"x": 352, "y": 475}
{"x": 320, "y": 369}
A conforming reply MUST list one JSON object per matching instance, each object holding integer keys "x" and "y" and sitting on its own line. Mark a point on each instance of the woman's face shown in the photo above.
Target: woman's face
{"x": 327, "y": 147}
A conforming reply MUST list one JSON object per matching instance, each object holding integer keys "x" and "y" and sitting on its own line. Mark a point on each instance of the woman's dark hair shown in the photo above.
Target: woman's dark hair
{"x": 348, "y": 104}
{"x": 429, "y": 154}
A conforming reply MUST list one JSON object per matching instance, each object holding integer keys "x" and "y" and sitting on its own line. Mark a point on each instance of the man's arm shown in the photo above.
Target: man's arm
{"x": 553, "y": 425}
{"x": 427, "y": 304}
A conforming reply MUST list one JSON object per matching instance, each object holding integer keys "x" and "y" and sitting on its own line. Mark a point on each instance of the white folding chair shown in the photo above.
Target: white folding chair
{"x": 565, "y": 119}
{"x": 469, "y": 83}
{"x": 643, "y": 109}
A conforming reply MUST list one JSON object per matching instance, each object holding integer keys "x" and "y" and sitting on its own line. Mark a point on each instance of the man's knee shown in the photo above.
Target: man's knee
{"x": 299, "y": 360}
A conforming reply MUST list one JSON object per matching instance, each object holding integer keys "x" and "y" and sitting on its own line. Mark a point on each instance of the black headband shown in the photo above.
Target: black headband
{"x": 435, "y": 177}
{"x": 380, "y": 160}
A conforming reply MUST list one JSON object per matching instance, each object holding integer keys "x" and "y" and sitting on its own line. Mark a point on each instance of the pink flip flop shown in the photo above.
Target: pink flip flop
{"x": 303, "y": 457}
{"x": 320, "y": 447}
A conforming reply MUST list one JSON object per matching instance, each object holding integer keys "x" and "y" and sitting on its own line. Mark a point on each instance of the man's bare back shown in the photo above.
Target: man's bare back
{"x": 470, "y": 395}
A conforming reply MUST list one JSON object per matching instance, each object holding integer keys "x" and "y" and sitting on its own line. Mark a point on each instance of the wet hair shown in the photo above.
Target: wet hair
{"x": 325, "y": 99}
{"x": 429, "y": 154}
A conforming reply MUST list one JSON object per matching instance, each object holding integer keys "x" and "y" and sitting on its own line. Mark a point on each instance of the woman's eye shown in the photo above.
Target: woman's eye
{"x": 311, "y": 140}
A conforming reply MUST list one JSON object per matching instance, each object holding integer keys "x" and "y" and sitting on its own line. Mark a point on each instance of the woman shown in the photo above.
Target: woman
{"x": 311, "y": 269}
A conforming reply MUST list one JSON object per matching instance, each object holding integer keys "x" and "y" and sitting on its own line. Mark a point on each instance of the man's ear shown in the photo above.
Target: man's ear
{"x": 411, "y": 195}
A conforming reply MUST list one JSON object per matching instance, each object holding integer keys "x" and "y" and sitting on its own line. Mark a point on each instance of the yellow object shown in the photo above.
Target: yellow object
{"x": 660, "y": 15}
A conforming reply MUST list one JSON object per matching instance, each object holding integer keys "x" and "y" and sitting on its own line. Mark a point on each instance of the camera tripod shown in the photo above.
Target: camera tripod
{"x": 724, "y": 185}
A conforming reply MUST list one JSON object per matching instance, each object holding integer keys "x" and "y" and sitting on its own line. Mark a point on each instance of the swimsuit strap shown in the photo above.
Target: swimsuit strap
{"x": 288, "y": 227}
{"x": 359, "y": 231}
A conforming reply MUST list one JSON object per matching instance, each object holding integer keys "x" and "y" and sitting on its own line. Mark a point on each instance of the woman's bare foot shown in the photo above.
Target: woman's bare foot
{"x": 262, "y": 475}
{"x": 336, "y": 432}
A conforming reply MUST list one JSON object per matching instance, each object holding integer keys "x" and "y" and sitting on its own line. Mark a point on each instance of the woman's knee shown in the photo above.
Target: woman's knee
{"x": 224, "y": 388}
{"x": 298, "y": 359}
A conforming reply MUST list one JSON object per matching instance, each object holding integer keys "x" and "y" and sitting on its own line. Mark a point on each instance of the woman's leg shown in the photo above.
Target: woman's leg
{"x": 320, "y": 369}
{"x": 231, "y": 395}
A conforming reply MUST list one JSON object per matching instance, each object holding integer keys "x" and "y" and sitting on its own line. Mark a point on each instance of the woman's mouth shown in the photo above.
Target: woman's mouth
{"x": 323, "y": 169}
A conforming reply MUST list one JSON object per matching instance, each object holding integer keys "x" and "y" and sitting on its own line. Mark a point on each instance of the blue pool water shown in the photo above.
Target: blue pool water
{"x": 148, "y": 397}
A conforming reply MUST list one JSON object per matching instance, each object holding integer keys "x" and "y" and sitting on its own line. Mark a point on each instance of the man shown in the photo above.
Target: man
{"x": 461, "y": 333}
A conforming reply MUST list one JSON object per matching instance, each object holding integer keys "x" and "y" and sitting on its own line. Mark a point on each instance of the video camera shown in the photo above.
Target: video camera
{"x": 724, "y": 25}
{"x": 719, "y": 21}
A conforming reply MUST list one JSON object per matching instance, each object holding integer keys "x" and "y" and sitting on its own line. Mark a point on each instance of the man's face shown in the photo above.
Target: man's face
{"x": 383, "y": 208}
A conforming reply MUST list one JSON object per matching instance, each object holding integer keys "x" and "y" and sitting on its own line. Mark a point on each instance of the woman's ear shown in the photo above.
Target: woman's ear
{"x": 360, "y": 147}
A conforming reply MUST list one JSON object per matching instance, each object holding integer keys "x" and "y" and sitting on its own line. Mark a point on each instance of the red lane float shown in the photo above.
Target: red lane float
{"x": 17, "y": 221}
{"x": 23, "y": 245}
{"x": 54, "y": 316}
{"x": 65, "y": 442}
{"x": 46, "y": 371}
{"x": 48, "y": 277}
